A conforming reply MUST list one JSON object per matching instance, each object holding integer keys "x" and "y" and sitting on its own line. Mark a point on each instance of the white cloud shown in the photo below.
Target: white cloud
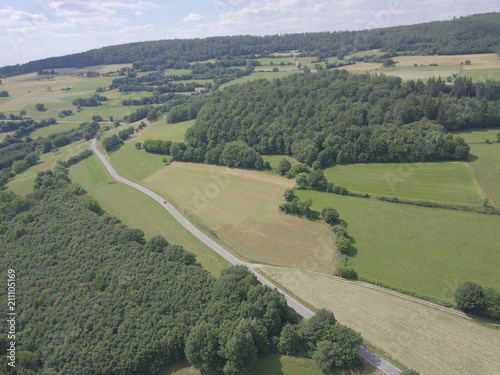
{"x": 192, "y": 17}
{"x": 11, "y": 17}
{"x": 79, "y": 7}
{"x": 138, "y": 13}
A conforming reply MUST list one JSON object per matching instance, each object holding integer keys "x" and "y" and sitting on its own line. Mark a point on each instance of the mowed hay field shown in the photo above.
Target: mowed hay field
{"x": 427, "y": 250}
{"x": 240, "y": 209}
{"x": 429, "y": 340}
{"x": 452, "y": 182}
{"x": 137, "y": 210}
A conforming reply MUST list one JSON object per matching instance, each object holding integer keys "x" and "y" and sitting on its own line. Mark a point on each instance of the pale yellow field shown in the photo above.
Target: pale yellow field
{"x": 426, "y": 339}
{"x": 478, "y": 61}
{"x": 240, "y": 208}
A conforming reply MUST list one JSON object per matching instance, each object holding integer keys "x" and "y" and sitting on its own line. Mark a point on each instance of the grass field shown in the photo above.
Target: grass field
{"x": 275, "y": 160}
{"x": 162, "y": 130}
{"x": 23, "y": 183}
{"x": 452, "y": 182}
{"x": 139, "y": 211}
{"x": 53, "y": 129}
{"x": 274, "y": 365}
{"x": 135, "y": 164}
{"x": 486, "y": 166}
{"x": 478, "y": 135}
{"x": 260, "y": 75}
{"x": 426, "y": 339}
{"x": 240, "y": 209}
{"x": 427, "y": 250}
{"x": 482, "y": 74}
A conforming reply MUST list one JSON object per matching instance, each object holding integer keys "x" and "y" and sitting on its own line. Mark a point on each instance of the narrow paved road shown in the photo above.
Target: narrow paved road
{"x": 374, "y": 359}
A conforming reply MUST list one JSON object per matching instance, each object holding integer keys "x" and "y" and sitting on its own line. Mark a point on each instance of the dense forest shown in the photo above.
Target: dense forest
{"x": 472, "y": 34}
{"x": 337, "y": 117}
{"x": 94, "y": 297}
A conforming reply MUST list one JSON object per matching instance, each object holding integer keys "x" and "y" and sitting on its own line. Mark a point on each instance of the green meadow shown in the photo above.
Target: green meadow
{"x": 486, "y": 165}
{"x": 427, "y": 250}
{"x": 170, "y": 132}
{"x": 478, "y": 135}
{"x": 135, "y": 164}
{"x": 451, "y": 182}
{"x": 54, "y": 129}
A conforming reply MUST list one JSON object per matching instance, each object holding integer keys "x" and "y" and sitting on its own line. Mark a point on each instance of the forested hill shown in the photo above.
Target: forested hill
{"x": 472, "y": 34}
{"x": 338, "y": 117}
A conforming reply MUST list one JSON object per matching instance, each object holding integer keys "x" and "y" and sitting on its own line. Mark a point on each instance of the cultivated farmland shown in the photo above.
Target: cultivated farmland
{"x": 432, "y": 341}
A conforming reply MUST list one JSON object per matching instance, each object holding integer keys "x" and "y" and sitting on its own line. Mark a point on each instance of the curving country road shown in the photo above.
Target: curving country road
{"x": 374, "y": 359}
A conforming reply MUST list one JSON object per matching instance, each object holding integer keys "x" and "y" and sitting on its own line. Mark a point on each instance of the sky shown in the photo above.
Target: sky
{"x": 36, "y": 29}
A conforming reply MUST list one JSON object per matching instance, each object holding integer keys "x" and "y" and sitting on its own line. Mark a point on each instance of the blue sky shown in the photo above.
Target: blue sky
{"x": 35, "y": 29}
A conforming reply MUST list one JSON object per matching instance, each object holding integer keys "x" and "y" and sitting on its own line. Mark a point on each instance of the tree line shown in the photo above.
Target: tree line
{"x": 472, "y": 34}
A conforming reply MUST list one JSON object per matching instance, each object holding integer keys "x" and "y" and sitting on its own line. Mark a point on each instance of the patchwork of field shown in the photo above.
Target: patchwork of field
{"x": 482, "y": 67}
{"x": 429, "y": 340}
{"x": 275, "y": 365}
{"x": 240, "y": 209}
{"x": 452, "y": 182}
{"x": 137, "y": 210}
{"x": 427, "y": 250}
